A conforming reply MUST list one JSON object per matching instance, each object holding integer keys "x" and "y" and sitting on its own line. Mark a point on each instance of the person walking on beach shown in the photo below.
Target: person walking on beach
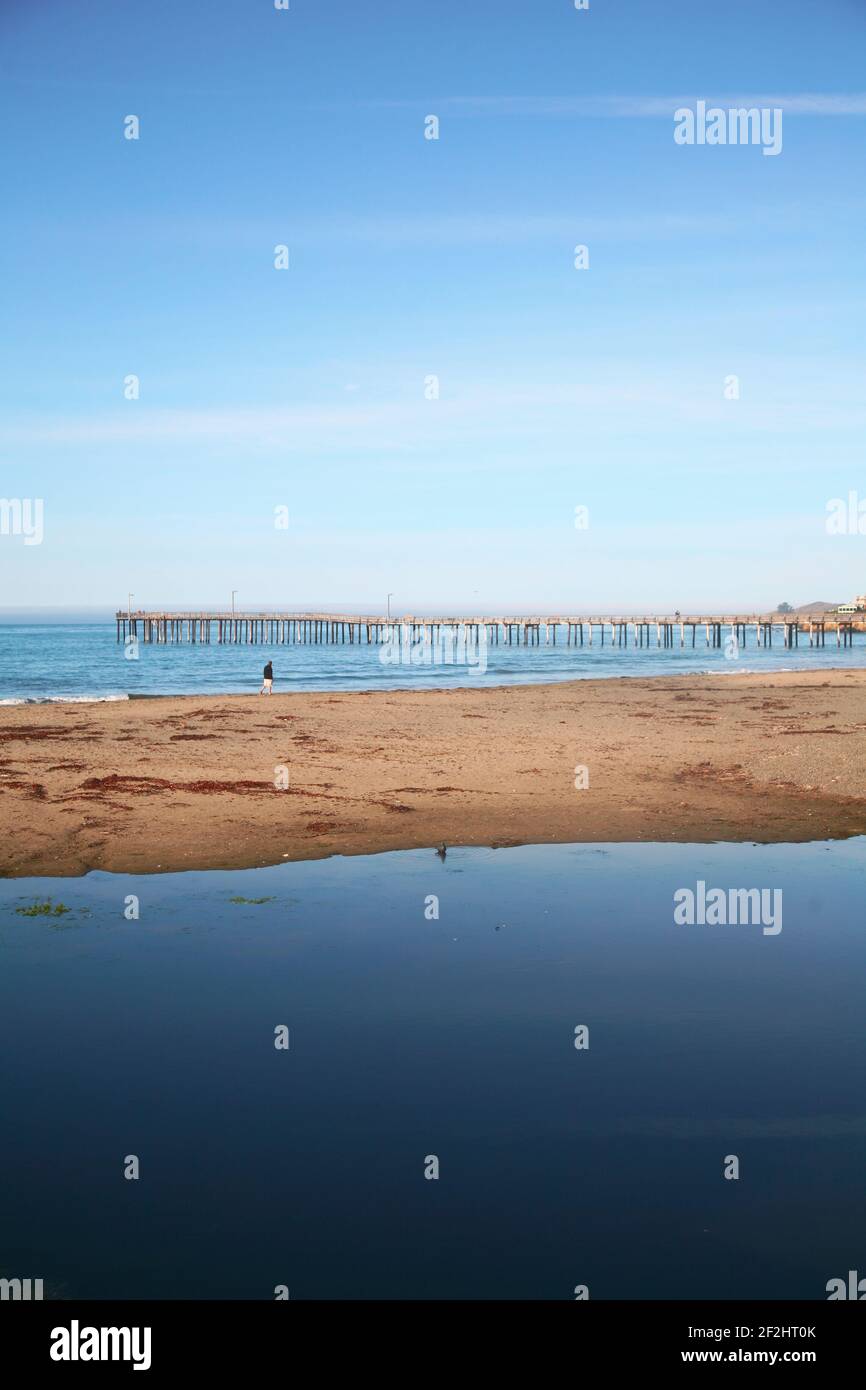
{"x": 268, "y": 682}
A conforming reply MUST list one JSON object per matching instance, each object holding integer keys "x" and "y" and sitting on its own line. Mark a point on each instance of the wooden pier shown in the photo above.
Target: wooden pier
{"x": 281, "y": 629}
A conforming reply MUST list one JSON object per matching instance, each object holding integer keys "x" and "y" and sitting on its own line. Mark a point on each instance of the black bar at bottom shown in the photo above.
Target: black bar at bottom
{"x": 225, "y": 1337}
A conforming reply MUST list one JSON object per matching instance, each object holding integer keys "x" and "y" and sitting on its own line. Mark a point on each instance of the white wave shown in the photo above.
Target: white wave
{"x": 64, "y": 700}
{"x": 753, "y": 670}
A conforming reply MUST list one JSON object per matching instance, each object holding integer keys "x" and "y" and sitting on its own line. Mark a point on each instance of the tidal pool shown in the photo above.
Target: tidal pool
{"x": 415, "y": 1036}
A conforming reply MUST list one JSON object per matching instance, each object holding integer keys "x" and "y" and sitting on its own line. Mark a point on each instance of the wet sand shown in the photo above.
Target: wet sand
{"x": 189, "y": 782}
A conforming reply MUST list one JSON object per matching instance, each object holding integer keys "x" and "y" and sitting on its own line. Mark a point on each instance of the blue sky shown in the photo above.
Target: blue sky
{"x": 409, "y": 258}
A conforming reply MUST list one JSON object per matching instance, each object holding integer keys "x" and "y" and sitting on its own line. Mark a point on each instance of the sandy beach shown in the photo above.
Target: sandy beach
{"x": 154, "y": 785}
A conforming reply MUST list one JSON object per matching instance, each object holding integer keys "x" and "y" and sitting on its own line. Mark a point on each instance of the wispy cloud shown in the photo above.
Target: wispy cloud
{"x": 494, "y": 228}
{"x": 562, "y": 228}
{"x": 481, "y": 412}
{"x": 792, "y": 103}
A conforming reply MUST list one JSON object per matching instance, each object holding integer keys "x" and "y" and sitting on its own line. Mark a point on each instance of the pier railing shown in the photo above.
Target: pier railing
{"x": 644, "y": 631}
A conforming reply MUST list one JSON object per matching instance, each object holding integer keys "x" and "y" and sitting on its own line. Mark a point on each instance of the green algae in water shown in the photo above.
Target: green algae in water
{"x": 255, "y": 902}
{"x": 43, "y": 907}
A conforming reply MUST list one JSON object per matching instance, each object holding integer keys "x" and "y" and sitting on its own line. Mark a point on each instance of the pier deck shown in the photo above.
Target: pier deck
{"x": 668, "y": 631}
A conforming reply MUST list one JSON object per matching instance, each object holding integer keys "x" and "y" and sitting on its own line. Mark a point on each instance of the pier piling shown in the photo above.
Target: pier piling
{"x": 294, "y": 628}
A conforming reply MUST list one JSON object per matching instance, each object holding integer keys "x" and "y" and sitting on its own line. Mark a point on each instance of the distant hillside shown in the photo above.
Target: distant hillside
{"x": 817, "y": 607}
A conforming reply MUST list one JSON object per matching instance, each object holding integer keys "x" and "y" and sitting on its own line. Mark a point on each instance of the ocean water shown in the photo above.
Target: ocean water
{"x": 413, "y": 1036}
{"x": 84, "y": 661}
